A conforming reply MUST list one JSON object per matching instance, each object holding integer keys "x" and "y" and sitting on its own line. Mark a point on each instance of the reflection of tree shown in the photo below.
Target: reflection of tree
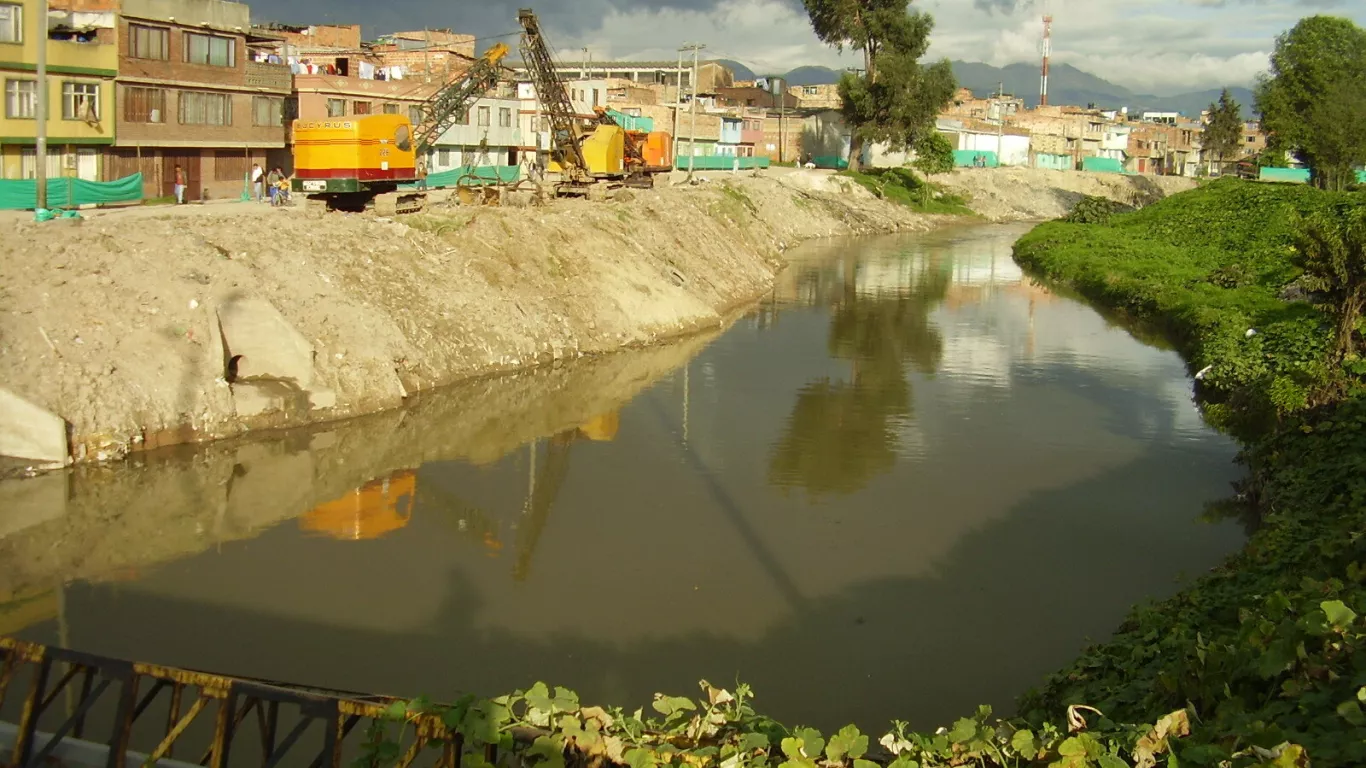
{"x": 842, "y": 433}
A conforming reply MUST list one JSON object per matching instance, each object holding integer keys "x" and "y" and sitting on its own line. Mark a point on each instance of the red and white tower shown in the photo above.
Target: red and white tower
{"x": 1047, "y": 49}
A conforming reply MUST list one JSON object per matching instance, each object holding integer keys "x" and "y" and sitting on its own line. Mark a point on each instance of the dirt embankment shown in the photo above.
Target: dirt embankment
{"x": 1012, "y": 194}
{"x": 143, "y": 328}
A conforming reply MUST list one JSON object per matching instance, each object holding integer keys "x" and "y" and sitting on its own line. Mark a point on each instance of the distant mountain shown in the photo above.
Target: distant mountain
{"x": 740, "y": 71}
{"x": 1069, "y": 85}
{"x": 812, "y": 76}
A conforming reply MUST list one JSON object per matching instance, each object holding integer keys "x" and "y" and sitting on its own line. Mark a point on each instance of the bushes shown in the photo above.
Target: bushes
{"x": 901, "y": 185}
{"x": 1272, "y": 646}
{"x": 1094, "y": 210}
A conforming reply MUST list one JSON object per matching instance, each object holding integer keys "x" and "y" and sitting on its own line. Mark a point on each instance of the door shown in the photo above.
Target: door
{"x": 189, "y": 162}
{"x": 87, "y": 164}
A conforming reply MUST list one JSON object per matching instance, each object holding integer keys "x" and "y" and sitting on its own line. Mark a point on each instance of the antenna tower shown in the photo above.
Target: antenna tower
{"x": 1047, "y": 49}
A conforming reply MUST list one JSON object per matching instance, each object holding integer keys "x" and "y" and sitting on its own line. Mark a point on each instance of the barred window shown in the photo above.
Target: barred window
{"x": 360, "y": 107}
{"x": 144, "y": 105}
{"x": 390, "y": 109}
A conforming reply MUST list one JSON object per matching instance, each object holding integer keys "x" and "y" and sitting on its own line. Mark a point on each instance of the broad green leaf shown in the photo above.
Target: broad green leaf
{"x": 848, "y": 742}
{"x": 963, "y": 730}
{"x": 1351, "y": 712}
{"x": 1024, "y": 744}
{"x": 813, "y": 745}
{"x": 640, "y": 758}
{"x": 538, "y": 698}
{"x": 1339, "y": 615}
{"x": 565, "y": 700}
{"x": 549, "y": 750}
{"x": 1072, "y": 747}
{"x": 861, "y": 763}
{"x": 1110, "y": 761}
{"x": 753, "y": 741}
{"x": 672, "y": 705}
{"x": 904, "y": 761}
{"x": 396, "y": 711}
{"x": 792, "y": 747}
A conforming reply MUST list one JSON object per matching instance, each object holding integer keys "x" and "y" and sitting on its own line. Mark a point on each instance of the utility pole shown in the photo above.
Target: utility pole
{"x": 583, "y": 66}
{"x": 40, "y": 148}
{"x": 678, "y": 98}
{"x": 692, "y": 130}
{"x": 1000, "y": 120}
{"x": 782, "y": 101}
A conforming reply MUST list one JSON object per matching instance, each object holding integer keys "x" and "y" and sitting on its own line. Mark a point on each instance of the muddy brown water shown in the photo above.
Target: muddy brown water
{"x": 907, "y": 483}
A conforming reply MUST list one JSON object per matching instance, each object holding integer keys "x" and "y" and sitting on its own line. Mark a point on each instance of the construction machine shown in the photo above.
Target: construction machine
{"x": 368, "y": 512}
{"x": 357, "y": 163}
{"x": 591, "y": 156}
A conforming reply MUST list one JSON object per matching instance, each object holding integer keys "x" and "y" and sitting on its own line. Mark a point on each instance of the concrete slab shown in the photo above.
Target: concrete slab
{"x": 28, "y": 431}
{"x": 264, "y": 343}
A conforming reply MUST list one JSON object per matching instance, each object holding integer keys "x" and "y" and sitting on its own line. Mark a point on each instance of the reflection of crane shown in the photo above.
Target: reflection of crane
{"x": 545, "y": 485}
{"x": 379, "y": 507}
{"x": 592, "y": 159}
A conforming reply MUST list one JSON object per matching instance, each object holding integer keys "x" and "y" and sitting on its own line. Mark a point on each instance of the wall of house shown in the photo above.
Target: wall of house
{"x": 824, "y": 134}
{"x": 496, "y": 131}
{"x": 216, "y": 14}
{"x": 314, "y": 91}
{"x": 730, "y": 130}
{"x": 1054, "y": 162}
{"x": 1010, "y": 150}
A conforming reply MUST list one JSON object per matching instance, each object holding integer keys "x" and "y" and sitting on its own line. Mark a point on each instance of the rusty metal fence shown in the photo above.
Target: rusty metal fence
{"x": 165, "y": 702}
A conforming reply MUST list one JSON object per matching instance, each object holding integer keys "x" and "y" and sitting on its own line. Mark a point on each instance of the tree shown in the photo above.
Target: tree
{"x": 1330, "y": 247}
{"x": 1224, "y": 134}
{"x": 1314, "y": 97}
{"x": 933, "y": 154}
{"x": 895, "y": 98}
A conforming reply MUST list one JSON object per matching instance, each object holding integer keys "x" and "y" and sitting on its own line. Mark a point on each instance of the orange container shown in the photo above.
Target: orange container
{"x": 658, "y": 150}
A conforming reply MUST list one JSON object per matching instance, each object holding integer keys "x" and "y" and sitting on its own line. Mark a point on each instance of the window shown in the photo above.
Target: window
{"x": 360, "y": 107}
{"x": 11, "y": 23}
{"x": 443, "y": 157}
{"x": 148, "y": 42}
{"x": 1251, "y": 139}
{"x": 505, "y": 117}
{"x": 336, "y": 108}
{"x": 80, "y": 101}
{"x": 390, "y": 109}
{"x": 415, "y": 115}
{"x": 483, "y": 116}
{"x": 144, "y": 105}
{"x": 198, "y": 108}
{"x": 21, "y": 99}
{"x": 267, "y": 111}
{"x": 212, "y": 50}
{"x": 810, "y": 90}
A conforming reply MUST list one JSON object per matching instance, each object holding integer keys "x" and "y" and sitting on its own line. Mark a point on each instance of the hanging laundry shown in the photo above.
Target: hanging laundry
{"x": 367, "y": 70}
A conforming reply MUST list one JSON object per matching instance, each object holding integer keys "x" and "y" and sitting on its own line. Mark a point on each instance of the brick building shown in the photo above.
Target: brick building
{"x": 191, "y": 93}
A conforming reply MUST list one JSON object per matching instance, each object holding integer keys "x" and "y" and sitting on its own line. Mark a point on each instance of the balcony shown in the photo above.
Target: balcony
{"x": 275, "y": 77}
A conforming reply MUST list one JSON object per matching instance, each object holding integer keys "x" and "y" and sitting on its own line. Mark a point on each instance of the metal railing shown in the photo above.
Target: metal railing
{"x": 131, "y": 689}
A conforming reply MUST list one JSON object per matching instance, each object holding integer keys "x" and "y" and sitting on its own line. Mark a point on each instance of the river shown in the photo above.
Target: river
{"x": 907, "y": 483}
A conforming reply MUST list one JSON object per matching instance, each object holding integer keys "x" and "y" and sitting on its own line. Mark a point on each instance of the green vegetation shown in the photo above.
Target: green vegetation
{"x": 901, "y": 185}
{"x": 895, "y": 98}
{"x": 1314, "y": 99}
{"x": 1271, "y": 647}
{"x": 1094, "y": 210}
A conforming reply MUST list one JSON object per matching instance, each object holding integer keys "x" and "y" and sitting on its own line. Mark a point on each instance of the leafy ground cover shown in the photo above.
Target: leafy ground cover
{"x": 1262, "y": 662}
{"x": 901, "y": 185}
{"x": 1271, "y": 647}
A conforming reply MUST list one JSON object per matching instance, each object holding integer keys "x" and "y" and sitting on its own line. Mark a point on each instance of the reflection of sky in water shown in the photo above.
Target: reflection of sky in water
{"x": 918, "y": 468}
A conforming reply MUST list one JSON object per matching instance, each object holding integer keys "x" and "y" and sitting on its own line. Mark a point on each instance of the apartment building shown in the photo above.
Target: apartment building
{"x": 825, "y": 96}
{"x": 82, "y": 60}
{"x": 196, "y": 90}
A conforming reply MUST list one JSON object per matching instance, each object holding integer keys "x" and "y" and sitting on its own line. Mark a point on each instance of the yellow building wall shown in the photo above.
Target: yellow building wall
{"x": 94, "y": 62}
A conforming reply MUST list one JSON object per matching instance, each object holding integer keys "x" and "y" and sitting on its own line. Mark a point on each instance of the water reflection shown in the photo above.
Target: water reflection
{"x": 842, "y": 432}
{"x": 968, "y": 460}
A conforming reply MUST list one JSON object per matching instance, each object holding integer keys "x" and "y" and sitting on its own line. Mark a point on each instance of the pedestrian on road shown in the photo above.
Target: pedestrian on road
{"x": 179, "y": 185}
{"x": 256, "y": 177}
{"x": 273, "y": 185}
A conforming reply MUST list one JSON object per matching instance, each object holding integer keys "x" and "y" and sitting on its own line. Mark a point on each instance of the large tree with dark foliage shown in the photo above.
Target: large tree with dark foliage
{"x": 895, "y": 98}
{"x": 1224, "y": 133}
{"x": 1313, "y": 101}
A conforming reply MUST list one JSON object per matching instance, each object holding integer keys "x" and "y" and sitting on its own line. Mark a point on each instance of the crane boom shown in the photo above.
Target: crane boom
{"x": 552, "y": 94}
{"x": 450, "y": 104}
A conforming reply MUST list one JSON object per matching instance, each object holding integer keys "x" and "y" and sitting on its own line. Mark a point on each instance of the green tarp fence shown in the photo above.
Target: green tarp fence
{"x": 1102, "y": 165}
{"x": 1295, "y": 175}
{"x": 476, "y": 176}
{"x": 964, "y": 158}
{"x": 831, "y": 161}
{"x": 721, "y": 163}
{"x": 22, "y": 194}
{"x": 1054, "y": 162}
{"x": 632, "y": 122}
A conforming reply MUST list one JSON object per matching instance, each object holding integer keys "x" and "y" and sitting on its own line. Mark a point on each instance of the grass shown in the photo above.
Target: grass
{"x": 1270, "y": 647}
{"x": 902, "y": 186}
{"x": 163, "y": 200}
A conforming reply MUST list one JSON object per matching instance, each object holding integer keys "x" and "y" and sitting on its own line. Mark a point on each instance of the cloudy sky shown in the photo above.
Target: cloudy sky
{"x": 1158, "y": 46}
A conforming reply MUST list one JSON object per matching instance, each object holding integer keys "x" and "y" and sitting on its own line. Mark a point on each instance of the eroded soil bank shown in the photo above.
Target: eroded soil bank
{"x": 150, "y": 327}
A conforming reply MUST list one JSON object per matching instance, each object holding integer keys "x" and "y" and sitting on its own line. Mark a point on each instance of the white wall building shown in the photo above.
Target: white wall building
{"x": 490, "y": 120}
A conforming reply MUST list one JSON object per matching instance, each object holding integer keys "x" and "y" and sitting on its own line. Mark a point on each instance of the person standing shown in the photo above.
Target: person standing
{"x": 256, "y": 177}
{"x": 273, "y": 185}
{"x": 421, "y": 172}
{"x": 179, "y": 185}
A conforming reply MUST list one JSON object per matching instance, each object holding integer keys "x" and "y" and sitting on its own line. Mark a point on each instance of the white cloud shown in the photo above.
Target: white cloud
{"x": 1162, "y": 46}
